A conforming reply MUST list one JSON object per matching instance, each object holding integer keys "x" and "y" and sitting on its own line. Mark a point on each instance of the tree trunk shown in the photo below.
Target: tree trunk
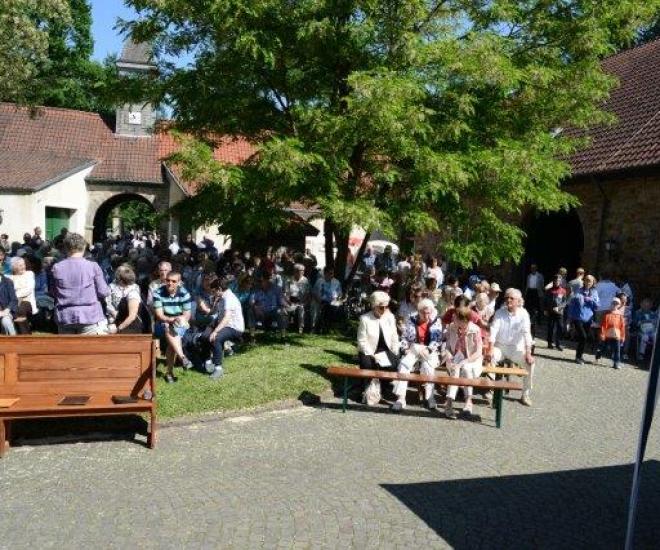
{"x": 342, "y": 254}
{"x": 358, "y": 260}
{"x": 329, "y": 231}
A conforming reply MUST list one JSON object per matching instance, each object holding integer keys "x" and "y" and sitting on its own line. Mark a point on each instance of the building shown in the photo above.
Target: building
{"x": 617, "y": 180}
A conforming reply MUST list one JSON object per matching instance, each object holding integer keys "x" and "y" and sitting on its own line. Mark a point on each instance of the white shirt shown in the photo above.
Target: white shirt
{"x": 327, "y": 291}
{"x": 437, "y": 274}
{"x": 534, "y": 280}
{"x": 174, "y": 248}
{"x": 511, "y": 329}
{"x": 607, "y": 291}
{"x": 24, "y": 288}
{"x": 232, "y": 306}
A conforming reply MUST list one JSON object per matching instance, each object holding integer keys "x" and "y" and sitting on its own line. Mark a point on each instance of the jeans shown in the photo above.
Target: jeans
{"x": 223, "y": 336}
{"x": 582, "y": 332}
{"x": 555, "y": 329}
{"x": 614, "y": 346}
{"x": 7, "y": 325}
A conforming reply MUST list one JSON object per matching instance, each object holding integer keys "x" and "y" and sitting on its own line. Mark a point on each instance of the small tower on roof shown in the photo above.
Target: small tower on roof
{"x": 135, "y": 119}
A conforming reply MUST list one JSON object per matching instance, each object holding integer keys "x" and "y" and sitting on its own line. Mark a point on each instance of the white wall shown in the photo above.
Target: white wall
{"x": 24, "y": 211}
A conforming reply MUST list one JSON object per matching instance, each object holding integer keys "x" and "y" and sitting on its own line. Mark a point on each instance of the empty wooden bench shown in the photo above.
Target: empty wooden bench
{"x": 498, "y": 386}
{"x": 39, "y": 371}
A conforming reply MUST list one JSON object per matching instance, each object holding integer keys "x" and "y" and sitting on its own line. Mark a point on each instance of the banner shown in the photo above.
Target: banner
{"x": 647, "y": 420}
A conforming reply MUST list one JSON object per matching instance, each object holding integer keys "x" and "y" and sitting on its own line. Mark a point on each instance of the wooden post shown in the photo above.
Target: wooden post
{"x": 3, "y": 437}
{"x": 499, "y": 404}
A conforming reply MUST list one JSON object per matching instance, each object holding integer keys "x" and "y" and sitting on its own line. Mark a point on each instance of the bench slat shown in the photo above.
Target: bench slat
{"x": 484, "y": 383}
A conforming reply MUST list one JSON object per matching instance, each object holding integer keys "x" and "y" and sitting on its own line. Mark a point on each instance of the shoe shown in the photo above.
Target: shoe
{"x": 450, "y": 413}
{"x": 617, "y": 366}
{"x": 431, "y": 404}
{"x": 169, "y": 379}
{"x": 550, "y": 346}
{"x": 559, "y": 348}
{"x": 187, "y": 363}
{"x": 209, "y": 367}
{"x": 525, "y": 400}
{"x": 597, "y": 356}
{"x": 579, "y": 361}
{"x": 396, "y": 407}
{"x": 218, "y": 373}
{"x": 489, "y": 398}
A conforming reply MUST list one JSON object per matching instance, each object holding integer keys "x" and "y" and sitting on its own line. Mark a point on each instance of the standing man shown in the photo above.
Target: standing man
{"x": 8, "y": 305}
{"x": 78, "y": 289}
{"x": 511, "y": 338}
{"x": 172, "y": 305}
{"x": 607, "y": 291}
{"x": 534, "y": 289}
{"x": 326, "y": 294}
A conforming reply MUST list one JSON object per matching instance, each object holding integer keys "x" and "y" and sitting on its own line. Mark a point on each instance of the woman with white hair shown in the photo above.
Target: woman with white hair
{"x": 511, "y": 338}
{"x": 421, "y": 339}
{"x": 24, "y": 284}
{"x": 464, "y": 357}
{"x": 378, "y": 342}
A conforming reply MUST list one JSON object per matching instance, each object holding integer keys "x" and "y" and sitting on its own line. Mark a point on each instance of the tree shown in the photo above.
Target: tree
{"x": 413, "y": 116}
{"x": 63, "y": 75}
{"x": 24, "y": 26}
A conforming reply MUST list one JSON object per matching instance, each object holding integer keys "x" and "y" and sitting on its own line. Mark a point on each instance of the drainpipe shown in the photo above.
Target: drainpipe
{"x": 604, "y": 213}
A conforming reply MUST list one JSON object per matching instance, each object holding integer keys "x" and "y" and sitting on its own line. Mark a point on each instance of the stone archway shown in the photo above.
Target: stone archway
{"x": 102, "y": 199}
{"x": 554, "y": 240}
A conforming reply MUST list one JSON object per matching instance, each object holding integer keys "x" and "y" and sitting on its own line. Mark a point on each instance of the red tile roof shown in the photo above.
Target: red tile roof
{"x": 634, "y": 140}
{"x": 34, "y": 171}
{"x": 64, "y": 137}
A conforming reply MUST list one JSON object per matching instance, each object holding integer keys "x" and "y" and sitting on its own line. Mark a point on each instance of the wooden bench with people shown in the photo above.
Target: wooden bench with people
{"x": 76, "y": 376}
{"x": 497, "y": 386}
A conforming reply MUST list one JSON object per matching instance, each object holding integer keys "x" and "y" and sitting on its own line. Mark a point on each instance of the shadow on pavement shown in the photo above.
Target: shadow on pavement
{"x": 571, "y": 509}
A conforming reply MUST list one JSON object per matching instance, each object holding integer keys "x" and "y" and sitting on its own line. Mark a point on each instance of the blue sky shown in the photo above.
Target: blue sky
{"x": 104, "y": 17}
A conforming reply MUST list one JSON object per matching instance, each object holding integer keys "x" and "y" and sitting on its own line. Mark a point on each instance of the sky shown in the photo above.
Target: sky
{"x": 104, "y": 17}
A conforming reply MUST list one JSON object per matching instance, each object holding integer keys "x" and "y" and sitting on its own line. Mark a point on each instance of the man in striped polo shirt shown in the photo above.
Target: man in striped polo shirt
{"x": 172, "y": 304}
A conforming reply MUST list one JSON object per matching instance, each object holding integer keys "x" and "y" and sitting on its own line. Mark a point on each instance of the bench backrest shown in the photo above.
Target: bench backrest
{"x": 63, "y": 364}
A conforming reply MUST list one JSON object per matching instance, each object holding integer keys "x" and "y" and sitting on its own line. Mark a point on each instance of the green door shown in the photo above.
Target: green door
{"x": 56, "y": 219}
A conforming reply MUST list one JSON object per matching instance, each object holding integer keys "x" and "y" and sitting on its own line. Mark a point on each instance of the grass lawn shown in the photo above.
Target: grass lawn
{"x": 256, "y": 375}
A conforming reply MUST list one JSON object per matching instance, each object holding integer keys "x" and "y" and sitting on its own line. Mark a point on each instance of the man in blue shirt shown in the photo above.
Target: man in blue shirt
{"x": 267, "y": 306}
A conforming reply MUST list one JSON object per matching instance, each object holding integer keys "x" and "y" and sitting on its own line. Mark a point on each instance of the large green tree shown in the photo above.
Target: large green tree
{"x": 51, "y": 62}
{"x": 407, "y": 116}
{"x": 24, "y": 27}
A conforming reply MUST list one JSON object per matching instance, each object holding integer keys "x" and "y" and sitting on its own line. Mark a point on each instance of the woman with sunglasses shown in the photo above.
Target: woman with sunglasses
{"x": 378, "y": 342}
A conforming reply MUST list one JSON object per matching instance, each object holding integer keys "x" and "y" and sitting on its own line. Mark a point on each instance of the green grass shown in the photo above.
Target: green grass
{"x": 256, "y": 375}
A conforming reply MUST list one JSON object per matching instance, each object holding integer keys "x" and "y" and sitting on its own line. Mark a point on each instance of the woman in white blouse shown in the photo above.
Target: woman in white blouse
{"x": 24, "y": 286}
{"x": 123, "y": 302}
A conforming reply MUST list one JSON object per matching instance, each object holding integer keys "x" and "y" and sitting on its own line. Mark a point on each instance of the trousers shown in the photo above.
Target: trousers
{"x": 502, "y": 352}
{"x": 415, "y": 361}
{"x": 464, "y": 370}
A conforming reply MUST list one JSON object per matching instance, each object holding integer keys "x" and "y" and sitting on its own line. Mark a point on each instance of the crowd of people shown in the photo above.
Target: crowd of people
{"x": 199, "y": 302}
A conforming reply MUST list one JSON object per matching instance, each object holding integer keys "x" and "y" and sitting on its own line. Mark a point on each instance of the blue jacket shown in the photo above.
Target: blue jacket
{"x": 433, "y": 335}
{"x": 583, "y": 304}
{"x": 7, "y": 294}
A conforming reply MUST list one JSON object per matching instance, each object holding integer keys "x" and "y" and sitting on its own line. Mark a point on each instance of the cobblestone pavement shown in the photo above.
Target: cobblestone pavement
{"x": 554, "y": 476}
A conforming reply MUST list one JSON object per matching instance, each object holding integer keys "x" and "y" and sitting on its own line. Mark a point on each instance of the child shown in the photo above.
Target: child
{"x": 645, "y": 323}
{"x": 612, "y": 332}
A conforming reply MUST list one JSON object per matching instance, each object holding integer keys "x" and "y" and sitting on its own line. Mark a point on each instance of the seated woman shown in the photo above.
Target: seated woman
{"x": 421, "y": 339}
{"x": 24, "y": 287}
{"x": 123, "y": 304}
{"x": 205, "y": 302}
{"x": 378, "y": 342}
{"x": 464, "y": 357}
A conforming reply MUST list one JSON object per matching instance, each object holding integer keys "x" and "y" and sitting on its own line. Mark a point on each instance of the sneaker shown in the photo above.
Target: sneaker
{"x": 431, "y": 404}
{"x": 550, "y": 346}
{"x": 209, "y": 366}
{"x": 525, "y": 400}
{"x": 396, "y": 407}
{"x": 617, "y": 366}
{"x": 450, "y": 413}
{"x": 598, "y": 356}
{"x": 217, "y": 373}
{"x": 579, "y": 361}
{"x": 169, "y": 379}
{"x": 559, "y": 348}
{"x": 187, "y": 363}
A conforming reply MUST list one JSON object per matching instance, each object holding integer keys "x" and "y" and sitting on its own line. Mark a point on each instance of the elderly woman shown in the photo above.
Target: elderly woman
{"x": 464, "y": 357}
{"x": 378, "y": 342}
{"x": 421, "y": 339}
{"x": 78, "y": 288}
{"x": 123, "y": 303}
{"x": 24, "y": 284}
{"x": 583, "y": 304}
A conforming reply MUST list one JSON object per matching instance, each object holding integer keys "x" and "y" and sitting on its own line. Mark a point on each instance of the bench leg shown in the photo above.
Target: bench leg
{"x": 151, "y": 436}
{"x": 345, "y": 398}
{"x": 499, "y": 404}
{"x": 3, "y": 438}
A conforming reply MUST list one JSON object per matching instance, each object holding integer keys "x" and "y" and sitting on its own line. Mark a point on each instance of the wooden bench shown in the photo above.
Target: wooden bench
{"x": 498, "y": 386}
{"x": 41, "y": 370}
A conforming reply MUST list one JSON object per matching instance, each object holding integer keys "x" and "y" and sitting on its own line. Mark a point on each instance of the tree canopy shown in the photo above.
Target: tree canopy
{"x": 46, "y": 49}
{"x": 408, "y": 117}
